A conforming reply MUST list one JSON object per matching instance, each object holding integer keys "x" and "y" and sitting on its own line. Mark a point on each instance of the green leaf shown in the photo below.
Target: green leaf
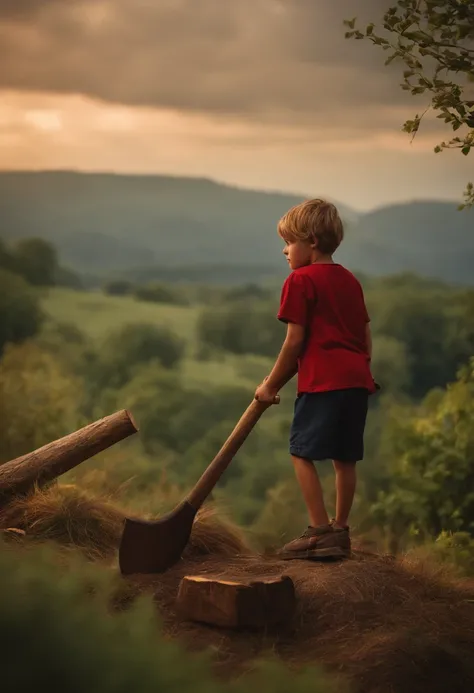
{"x": 465, "y": 150}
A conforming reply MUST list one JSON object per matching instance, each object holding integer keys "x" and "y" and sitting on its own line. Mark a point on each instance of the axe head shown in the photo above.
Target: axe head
{"x": 154, "y": 546}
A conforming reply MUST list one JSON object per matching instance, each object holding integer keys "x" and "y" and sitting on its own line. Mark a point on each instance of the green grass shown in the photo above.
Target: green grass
{"x": 97, "y": 314}
{"x": 231, "y": 370}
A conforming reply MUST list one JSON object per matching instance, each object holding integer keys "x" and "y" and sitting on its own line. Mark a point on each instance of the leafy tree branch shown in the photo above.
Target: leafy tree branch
{"x": 435, "y": 41}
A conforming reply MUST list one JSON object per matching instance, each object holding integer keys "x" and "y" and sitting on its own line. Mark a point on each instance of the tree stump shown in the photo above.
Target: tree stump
{"x": 237, "y": 603}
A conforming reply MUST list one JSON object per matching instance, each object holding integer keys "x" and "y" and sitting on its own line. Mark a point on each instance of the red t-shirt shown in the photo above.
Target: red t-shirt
{"x": 329, "y": 302}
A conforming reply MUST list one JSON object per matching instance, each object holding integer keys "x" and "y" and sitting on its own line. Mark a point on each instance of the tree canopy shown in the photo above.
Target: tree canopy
{"x": 20, "y": 311}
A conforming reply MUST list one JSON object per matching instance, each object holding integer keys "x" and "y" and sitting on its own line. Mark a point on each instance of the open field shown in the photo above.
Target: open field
{"x": 97, "y": 314}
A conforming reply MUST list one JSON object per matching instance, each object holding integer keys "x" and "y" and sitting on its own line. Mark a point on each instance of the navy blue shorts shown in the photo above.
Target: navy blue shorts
{"x": 330, "y": 425}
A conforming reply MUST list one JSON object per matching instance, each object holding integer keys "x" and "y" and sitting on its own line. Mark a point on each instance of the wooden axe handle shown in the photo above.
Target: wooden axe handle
{"x": 227, "y": 452}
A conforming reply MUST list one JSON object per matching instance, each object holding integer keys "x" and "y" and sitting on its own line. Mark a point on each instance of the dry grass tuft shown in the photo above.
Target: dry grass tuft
{"x": 213, "y": 535}
{"x": 68, "y": 516}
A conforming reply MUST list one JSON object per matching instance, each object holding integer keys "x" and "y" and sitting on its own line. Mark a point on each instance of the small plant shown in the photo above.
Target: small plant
{"x": 456, "y": 548}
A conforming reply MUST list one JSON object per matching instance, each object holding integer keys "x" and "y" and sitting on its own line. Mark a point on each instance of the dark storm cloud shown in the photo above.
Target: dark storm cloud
{"x": 283, "y": 60}
{"x": 25, "y": 9}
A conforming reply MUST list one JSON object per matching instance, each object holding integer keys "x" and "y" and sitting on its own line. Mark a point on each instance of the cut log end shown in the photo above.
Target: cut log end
{"x": 129, "y": 416}
{"x": 234, "y": 603}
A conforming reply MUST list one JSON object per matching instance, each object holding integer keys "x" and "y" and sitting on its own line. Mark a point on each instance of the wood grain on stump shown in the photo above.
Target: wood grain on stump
{"x": 229, "y": 603}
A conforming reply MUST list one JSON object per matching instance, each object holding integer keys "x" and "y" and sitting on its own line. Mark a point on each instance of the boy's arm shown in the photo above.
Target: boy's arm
{"x": 286, "y": 365}
{"x": 293, "y": 311}
{"x": 368, "y": 339}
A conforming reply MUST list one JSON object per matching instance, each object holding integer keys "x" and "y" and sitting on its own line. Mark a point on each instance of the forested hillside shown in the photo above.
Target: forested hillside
{"x": 169, "y": 228}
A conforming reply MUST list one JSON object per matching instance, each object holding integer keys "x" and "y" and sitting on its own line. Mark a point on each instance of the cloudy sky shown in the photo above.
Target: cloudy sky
{"x": 260, "y": 93}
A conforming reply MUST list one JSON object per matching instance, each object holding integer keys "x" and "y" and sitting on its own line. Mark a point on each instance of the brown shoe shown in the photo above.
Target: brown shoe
{"x": 342, "y": 535}
{"x": 318, "y": 542}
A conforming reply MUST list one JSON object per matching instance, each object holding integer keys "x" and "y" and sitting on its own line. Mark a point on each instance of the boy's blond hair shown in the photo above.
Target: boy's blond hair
{"x": 315, "y": 221}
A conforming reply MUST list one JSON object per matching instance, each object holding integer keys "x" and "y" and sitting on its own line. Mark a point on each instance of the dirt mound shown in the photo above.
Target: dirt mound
{"x": 388, "y": 625}
{"x": 385, "y": 624}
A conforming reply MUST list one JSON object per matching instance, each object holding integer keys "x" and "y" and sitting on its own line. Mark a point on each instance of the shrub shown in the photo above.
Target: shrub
{"x": 128, "y": 348}
{"x": 39, "y": 400}
{"x": 20, "y": 312}
{"x": 37, "y": 261}
{"x": 243, "y": 328}
{"x": 118, "y": 287}
{"x": 159, "y": 293}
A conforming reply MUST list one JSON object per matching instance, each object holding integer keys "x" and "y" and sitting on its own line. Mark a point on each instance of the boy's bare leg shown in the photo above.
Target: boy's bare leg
{"x": 346, "y": 479}
{"x": 311, "y": 489}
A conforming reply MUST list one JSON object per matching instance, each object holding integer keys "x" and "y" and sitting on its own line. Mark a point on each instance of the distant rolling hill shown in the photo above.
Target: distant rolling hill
{"x": 122, "y": 224}
{"x": 431, "y": 238}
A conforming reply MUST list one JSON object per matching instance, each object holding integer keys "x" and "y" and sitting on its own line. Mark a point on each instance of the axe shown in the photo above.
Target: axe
{"x": 156, "y": 545}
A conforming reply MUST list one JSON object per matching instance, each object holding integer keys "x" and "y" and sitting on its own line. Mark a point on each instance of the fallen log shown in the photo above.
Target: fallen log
{"x": 56, "y": 458}
{"x": 233, "y": 603}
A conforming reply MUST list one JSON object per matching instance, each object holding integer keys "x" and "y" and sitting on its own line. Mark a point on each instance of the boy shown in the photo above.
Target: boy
{"x": 328, "y": 343}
